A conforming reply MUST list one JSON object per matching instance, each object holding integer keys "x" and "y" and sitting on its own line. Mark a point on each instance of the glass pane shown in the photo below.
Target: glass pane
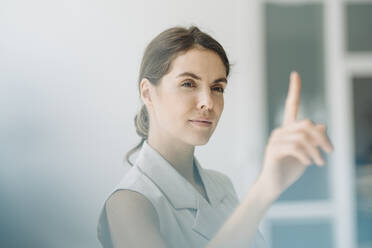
{"x": 362, "y": 88}
{"x": 294, "y": 41}
{"x": 304, "y": 234}
{"x": 358, "y": 25}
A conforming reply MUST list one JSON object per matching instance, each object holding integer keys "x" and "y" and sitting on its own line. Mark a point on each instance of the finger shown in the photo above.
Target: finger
{"x": 323, "y": 130}
{"x": 317, "y": 132}
{"x": 296, "y": 151}
{"x": 293, "y": 99}
{"x": 304, "y": 140}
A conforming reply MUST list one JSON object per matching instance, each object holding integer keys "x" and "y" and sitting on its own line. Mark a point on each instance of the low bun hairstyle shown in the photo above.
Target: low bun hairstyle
{"x": 156, "y": 61}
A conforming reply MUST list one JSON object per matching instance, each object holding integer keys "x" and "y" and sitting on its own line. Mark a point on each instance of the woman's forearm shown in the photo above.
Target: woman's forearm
{"x": 240, "y": 228}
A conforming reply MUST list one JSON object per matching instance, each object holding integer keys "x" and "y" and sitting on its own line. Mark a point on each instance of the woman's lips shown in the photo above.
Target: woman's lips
{"x": 201, "y": 123}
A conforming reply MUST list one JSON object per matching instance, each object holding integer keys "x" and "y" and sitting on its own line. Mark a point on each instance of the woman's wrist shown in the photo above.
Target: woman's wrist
{"x": 263, "y": 192}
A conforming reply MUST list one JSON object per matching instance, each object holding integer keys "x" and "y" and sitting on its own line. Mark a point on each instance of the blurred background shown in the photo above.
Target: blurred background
{"x": 68, "y": 97}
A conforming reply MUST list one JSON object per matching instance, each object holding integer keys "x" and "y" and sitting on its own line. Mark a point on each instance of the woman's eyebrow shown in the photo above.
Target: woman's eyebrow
{"x": 193, "y": 75}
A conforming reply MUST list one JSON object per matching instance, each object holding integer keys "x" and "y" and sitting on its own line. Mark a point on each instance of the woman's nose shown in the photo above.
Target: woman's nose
{"x": 205, "y": 99}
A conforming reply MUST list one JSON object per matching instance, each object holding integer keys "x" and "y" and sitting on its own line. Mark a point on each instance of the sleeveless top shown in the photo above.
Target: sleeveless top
{"x": 186, "y": 218}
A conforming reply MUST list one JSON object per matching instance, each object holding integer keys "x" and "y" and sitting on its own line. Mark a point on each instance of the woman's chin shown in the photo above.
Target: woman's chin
{"x": 198, "y": 141}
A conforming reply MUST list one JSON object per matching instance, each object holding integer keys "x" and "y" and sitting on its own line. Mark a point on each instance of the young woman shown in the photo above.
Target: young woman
{"x": 167, "y": 199}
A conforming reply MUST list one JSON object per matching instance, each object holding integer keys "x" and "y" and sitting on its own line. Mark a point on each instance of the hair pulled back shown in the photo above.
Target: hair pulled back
{"x": 156, "y": 61}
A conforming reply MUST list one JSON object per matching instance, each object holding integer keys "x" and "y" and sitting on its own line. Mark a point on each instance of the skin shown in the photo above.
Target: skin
{"x": 291, "y": 148}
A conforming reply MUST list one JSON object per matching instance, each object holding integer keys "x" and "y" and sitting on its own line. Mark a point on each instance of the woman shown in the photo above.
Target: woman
{"x": 167, "y": 199}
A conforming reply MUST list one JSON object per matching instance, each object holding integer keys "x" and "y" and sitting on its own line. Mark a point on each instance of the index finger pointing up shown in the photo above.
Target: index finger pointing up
{"x": 293, "y": 99}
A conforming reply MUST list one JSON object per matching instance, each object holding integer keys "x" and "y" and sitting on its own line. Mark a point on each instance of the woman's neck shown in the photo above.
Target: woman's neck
{"x": 178, "y": 154}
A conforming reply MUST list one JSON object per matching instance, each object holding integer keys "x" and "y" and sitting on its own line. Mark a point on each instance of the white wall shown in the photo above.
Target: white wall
{"x": 68, "y": 75}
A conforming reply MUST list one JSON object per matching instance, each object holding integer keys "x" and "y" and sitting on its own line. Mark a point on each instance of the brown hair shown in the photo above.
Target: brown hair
{"x": 156, "y": 61}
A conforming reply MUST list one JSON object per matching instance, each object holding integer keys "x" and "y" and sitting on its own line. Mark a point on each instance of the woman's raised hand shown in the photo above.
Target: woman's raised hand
{"x": 290, "y": 149}
{"x": 293, "y": 146}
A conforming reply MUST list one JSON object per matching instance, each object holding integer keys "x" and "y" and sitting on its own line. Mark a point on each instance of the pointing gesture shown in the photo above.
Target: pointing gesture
{"x": 294, "y": 146}
{"x": 293, "y": 99}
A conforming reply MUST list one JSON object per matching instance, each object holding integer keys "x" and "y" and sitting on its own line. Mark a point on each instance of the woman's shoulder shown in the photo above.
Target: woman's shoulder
{"x": 129, "y": 215}
{"x": 127, "y": 203}
{"x": 135, "y": 180}
{"x": 132, "y": 195}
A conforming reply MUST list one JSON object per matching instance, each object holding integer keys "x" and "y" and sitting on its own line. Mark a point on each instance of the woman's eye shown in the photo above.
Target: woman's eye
{"x": 187, "y": 84}
{"x": 219, "y": 89}
{"x": 190, "y": 84}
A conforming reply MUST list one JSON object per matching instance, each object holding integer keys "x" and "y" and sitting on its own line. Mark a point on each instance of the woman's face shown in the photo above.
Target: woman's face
{"x": 192, "y": 91}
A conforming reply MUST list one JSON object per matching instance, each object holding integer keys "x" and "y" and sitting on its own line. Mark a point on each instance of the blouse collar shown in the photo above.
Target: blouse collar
{"x": 180, "y": 192}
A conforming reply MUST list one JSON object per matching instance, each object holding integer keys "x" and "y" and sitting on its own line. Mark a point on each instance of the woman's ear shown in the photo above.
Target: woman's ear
{"x": 146, "y": 89}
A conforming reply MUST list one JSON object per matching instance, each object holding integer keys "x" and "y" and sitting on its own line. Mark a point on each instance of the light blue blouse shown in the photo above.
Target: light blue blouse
{"x": 186, "y": 218}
